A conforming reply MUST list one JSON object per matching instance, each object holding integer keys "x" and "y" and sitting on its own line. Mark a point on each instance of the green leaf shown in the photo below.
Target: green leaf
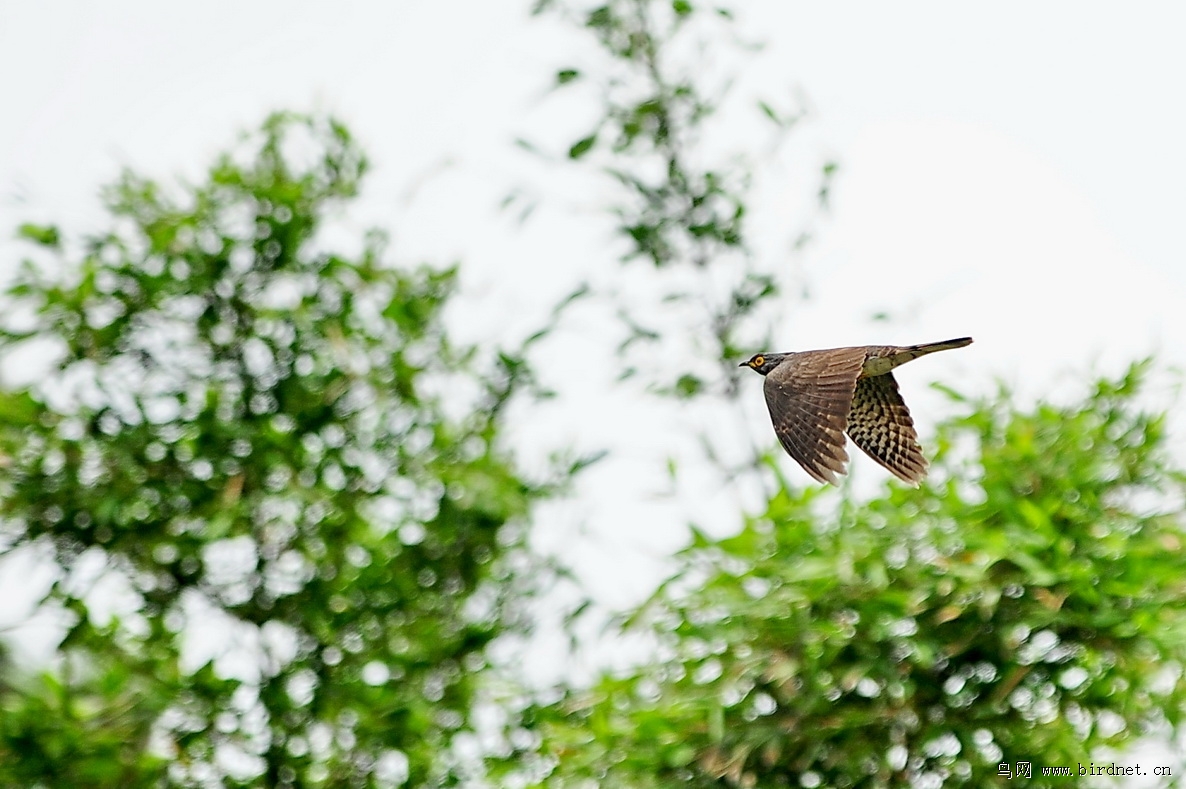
{"x": 582, "y": 147}
{"x": 18, "y": 407}
{"x": 45, "y": 235}
{"x": 688, "y": 386}
{"x": 1033, "y": 515}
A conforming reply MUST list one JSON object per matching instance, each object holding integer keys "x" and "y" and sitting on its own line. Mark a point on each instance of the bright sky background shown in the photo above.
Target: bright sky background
{"x": 1014, "y": 171}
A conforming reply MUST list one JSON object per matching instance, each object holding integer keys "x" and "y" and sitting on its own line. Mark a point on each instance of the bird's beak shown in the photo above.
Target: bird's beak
{"x": 744, "y": 364}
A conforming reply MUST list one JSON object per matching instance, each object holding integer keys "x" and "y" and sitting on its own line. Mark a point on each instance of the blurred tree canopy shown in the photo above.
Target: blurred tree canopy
{"x": 1025, "y": 605}
{"x": 244, "y": 438}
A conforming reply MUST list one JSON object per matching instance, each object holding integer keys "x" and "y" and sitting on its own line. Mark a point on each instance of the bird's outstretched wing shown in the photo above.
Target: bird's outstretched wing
{"x": 809, "y": 396}
{"x": 880, "y": 424}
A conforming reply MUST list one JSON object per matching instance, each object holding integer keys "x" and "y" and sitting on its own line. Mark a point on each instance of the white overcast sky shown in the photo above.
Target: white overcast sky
{"x": 1013, "y": 171}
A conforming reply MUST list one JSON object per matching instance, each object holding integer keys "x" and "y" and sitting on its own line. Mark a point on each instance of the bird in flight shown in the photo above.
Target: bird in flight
{"x": 815, "y": 397}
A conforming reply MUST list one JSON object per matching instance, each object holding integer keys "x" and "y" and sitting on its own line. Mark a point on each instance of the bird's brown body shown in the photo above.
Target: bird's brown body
{"x": 815, "y": 397}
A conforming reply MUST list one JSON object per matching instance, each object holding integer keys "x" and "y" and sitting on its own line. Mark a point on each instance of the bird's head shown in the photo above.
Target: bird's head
{"x": 763, "y": 362}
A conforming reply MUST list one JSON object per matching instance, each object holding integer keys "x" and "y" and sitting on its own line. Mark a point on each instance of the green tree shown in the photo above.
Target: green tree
{"x": 678, "y": 204}
{"x": 261, "y": 442}
{"x": 1025, "y": 605}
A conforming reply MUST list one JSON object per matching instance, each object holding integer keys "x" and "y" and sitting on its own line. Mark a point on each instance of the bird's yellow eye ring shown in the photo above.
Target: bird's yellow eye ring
{"x": 758, "y": 361}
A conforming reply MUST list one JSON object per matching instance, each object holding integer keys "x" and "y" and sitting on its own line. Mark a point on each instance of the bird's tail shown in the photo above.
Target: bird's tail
{"x": 899, "y": 356}
{"x": 916, "y": 351}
